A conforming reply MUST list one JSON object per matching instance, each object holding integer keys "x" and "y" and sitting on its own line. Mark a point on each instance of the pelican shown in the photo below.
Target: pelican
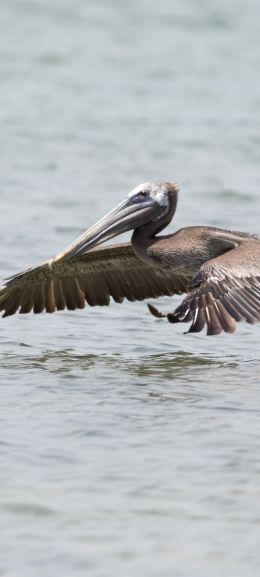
{"x": 219, "y": 270}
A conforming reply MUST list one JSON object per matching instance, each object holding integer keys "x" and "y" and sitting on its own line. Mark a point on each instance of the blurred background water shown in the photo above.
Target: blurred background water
{"x": 126, "y": 447}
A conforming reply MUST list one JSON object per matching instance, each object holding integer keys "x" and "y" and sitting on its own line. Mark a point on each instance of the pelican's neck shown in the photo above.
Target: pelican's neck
{"x": 144, "y": 236}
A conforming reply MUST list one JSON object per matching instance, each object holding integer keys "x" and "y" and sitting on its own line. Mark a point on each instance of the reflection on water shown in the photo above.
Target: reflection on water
{"x": 163, "y": 365}
{"x": 147, "y": 370}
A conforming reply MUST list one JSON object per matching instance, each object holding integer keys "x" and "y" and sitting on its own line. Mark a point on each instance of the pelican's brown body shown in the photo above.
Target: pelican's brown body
{"x": 218, "y": 269}
{"x": 187, "y": 249}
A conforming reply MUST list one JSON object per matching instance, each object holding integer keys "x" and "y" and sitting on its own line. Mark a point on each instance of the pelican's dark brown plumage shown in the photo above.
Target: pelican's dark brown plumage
{"x": 218, "y": 269}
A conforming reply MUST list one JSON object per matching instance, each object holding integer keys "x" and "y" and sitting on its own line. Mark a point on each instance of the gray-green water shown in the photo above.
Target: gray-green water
{"x": 126, "y": 447}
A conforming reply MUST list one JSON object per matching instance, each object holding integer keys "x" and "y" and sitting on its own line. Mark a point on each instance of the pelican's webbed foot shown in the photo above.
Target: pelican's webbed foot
{"x": 159, "y": 315}
{"x": 172, "y": 317}
{"x": 154, "y": 311}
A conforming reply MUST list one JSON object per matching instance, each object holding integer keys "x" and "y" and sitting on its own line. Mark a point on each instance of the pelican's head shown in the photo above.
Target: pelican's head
{"x": 145, "y": 203}
{"x": 160, "y": 193}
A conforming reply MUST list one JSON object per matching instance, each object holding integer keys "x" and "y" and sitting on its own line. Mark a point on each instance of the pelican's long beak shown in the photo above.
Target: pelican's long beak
{"x": 128, "y": 215}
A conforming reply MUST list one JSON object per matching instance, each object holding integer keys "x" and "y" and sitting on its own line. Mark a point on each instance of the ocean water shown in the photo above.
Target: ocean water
{"x": 126, "y": 447}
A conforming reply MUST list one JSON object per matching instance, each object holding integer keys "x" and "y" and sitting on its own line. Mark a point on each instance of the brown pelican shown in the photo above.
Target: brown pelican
{"x": 218, "y": 269}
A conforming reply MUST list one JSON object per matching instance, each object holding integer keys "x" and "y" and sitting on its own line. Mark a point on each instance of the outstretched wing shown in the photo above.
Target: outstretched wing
{"x": 225, "y": 290}
{"x": 114, "y": 271}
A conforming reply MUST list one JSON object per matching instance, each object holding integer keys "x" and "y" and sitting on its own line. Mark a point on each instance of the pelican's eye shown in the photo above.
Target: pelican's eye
{"x": 143, "y": 193}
